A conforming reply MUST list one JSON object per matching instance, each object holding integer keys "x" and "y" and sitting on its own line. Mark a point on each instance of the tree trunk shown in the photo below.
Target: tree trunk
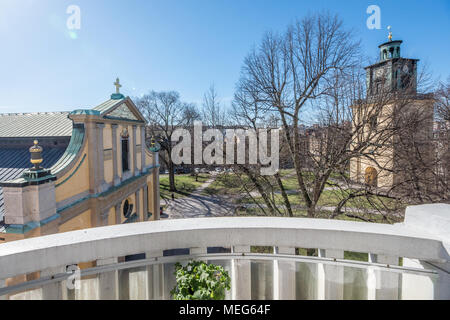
{"x": 172, "y": 186}
{"x": 284, "y": 194}
{"x": 260, "y": 190}
{"x": 311, "y": 210}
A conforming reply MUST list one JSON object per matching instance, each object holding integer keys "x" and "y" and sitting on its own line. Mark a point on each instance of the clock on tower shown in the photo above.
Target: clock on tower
{"x": 392, "y": 72}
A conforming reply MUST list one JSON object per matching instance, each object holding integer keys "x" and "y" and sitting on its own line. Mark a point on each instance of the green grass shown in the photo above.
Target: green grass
{"x": 301, "y": 213}
{"x": 226, "y": 184}
{"x": 230, "y": 184}
{"x": 331, "y": 198}
{"x": 184, "y": 183}
{"x": 358, "y": 256}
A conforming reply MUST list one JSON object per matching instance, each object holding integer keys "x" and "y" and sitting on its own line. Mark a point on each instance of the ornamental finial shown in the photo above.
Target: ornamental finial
{"x": 36, "y": 155}
{"x": 390, "y": 33}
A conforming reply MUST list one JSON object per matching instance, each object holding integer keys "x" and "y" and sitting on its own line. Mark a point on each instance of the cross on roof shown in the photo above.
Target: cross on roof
{"x": 118, "y": 85}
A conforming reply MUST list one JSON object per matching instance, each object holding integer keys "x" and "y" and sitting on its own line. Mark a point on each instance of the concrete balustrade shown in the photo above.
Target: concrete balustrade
{"x": 284, "y": 275}
{"x": 241, "y": 286}
{"x": 155, "y": 277}
{"x": 2, "y": 285}
{"x": 108, "y": 282}
{"x": 326, "y": 277}
{"x": 53, "y": 291}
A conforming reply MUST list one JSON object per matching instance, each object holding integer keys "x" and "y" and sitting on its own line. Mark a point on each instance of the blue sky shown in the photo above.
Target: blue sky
{"x": 182, "y": 45}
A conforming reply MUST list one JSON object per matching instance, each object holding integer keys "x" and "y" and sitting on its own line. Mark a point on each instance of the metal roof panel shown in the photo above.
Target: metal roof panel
{"x": 42, "y": 124}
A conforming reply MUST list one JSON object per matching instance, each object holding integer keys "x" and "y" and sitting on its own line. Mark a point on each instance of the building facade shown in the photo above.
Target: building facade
{"x": 91, "y": 168}
{"x": 391, "y": 97}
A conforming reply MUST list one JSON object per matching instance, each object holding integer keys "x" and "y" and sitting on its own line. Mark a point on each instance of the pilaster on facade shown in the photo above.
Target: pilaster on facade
{"x": 118, "y": 213}
{"x": 143, "y": 148}
{"x": 145, "y": 202}
{"x": 115, "y": 167}
{"x": 102, "y": 185}
{"x": 138, "y": 204}
{"x": 91, "y": 129}
{"x": 134, "y": 168}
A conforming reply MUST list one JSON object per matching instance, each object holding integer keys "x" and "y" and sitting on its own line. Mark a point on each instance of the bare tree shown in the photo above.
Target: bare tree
{"x": 214, "y": 114}
{"x": 190, "y": 115}
{"x": 442, "y": 140}
{"x": 290, "y": 70}
{"x": 315, "y": 68}
{"x": 443, "y": 101}
{"x": 425, "y": 164}
{"x": 165, "y": 113}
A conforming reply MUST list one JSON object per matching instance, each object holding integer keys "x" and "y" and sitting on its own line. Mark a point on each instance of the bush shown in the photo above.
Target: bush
{"x": 200, "y": 281}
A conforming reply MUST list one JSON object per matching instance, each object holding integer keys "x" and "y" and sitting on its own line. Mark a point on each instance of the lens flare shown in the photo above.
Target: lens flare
{"x": 73, "y": 35}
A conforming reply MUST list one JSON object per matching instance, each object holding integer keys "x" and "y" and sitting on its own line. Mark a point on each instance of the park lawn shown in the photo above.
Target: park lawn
{"x": 286, "y": 172}
{"x": 323, "y": 214}
{"x": 331, "y": 198}
{"x": 185, "y": 184}
{"x": 226, "y": 184}
{"x": 291, "y": 183}
{"x": 229, "y": 184}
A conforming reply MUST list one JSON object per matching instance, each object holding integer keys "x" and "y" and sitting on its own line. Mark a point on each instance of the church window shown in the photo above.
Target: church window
{"x": 125, "y": 155}
{"x": 127, "y": 209}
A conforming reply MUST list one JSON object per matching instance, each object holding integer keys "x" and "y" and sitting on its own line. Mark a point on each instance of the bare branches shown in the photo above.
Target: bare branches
{"x": 213, "y": 112}
{"x": 165, "y": 113}
{"x": 369, "y": 146}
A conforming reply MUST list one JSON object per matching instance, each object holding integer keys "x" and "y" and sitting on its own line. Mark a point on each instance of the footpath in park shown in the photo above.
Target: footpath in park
{"x": 198, "y": 205}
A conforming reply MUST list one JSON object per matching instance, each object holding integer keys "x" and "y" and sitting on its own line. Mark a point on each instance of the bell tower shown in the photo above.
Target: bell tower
{"x": 392, "y": 73}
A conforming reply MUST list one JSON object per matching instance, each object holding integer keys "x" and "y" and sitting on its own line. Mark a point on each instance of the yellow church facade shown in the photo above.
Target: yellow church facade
{"x": 391, "y": 98}
{"x": 105, "y": 176}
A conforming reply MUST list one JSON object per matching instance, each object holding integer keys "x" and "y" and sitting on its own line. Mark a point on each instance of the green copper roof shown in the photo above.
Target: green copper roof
{"x": 74, "y": 147}
{"x": 86, "y": 112}
{"x": 42, "y": 124}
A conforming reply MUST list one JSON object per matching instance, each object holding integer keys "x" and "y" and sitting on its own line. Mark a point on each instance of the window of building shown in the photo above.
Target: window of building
{"x": 373, "y": 122}
{"x": 378, "y": 87}
{"x": 371, "y": 177}
{"x": 127, "y": 209}
{"x": 125, "y": 155}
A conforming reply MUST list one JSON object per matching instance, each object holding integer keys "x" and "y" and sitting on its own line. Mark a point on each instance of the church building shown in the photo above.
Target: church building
{"x": 391, "y": 96}
{"x": 65, "y": 171}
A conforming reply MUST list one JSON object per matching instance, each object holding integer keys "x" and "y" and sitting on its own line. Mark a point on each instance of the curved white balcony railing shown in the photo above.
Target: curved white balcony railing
{"x": 422, "y": 242}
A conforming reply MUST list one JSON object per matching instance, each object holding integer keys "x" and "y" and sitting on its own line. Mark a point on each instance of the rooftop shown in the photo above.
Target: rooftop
{"x": 14, "y": 161}
{"x": 35, "y": 125}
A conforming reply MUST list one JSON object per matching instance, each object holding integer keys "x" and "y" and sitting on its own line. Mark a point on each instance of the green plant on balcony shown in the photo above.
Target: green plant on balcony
{"x": 200, "y": 281}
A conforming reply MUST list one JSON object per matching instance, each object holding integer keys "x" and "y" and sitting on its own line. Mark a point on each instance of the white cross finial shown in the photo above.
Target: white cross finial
{"x": 118, "y": 85}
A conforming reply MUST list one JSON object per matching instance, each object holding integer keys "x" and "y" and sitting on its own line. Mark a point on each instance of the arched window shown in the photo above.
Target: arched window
{"x": 391, "y": 52}
{"x": 127, "y": 209}
{"x": 125, "y": 151}
{"x": 371, "y": 176}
